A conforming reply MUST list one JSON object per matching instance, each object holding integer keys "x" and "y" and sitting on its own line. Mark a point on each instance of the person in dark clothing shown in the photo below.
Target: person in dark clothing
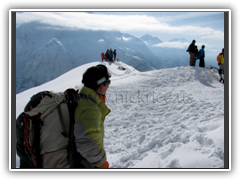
{"x": 191, "y": 51}
{"x": 201, "y": 56}
{"x": 111, "y": 55}
{"x": 115, "y": 54}
{"x": 107, "y": 56}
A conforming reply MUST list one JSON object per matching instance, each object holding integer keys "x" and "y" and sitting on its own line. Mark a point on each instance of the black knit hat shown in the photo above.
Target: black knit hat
{"x": 95, "y": 76}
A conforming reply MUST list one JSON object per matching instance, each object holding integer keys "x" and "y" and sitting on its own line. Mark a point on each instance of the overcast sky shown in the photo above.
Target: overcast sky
{"x": 205, "y": 27}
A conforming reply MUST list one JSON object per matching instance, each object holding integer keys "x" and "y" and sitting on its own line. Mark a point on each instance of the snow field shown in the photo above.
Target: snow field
{"x": 168, "y": 118}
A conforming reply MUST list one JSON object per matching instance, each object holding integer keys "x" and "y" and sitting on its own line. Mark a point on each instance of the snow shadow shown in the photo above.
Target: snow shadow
{"x": 206, "y": 83}
{"x": 205, "y": 76}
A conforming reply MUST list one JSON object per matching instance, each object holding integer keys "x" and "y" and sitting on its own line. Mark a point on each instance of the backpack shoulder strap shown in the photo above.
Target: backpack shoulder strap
{"x": 70, "y": 100}
{"x": 88, "y": 97}
{"x": 64, "y": 133}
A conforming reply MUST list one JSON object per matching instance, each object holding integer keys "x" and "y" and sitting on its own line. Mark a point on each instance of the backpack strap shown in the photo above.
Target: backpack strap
{"x": 64, "y": 133}
{"x": 85, "y": 96}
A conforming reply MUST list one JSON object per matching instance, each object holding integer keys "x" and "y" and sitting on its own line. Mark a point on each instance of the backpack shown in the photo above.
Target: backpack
{"x": 219, "y": 58}
{"x": 45, "y": 131}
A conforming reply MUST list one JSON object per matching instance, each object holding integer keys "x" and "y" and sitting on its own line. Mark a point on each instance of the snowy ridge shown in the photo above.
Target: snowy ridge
{"x": 168, "y": 118}
{"x": 73, "y": 78}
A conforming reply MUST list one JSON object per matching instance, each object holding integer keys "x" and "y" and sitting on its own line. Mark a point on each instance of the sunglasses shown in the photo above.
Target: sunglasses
{"x": 108, "y": 82}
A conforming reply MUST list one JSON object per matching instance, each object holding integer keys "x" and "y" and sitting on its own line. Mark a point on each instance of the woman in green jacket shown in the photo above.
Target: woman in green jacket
{"x": 90, "y": 115}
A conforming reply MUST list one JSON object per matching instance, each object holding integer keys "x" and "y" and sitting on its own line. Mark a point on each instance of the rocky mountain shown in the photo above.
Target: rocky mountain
{"x": 44, "y": 52}
{"x": 148, "y": 39}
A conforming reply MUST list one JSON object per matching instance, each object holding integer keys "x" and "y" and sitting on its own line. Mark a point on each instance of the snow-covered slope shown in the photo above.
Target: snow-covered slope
{"x": 173, "y": 118}
{"x": 168, "y": 118}
{"x": 140, "y": 64}
{"x": 73, "y": 78}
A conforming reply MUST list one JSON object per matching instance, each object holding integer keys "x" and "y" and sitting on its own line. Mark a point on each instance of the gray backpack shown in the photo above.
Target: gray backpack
{"x": 44, "y": 131}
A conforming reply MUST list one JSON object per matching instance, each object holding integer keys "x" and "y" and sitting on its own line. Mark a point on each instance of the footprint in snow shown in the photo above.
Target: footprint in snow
{"x": 141, "y": 139}
{"x": 167, "y": 153}
{"x": 174, "y": 164}
{"x": 204, "y": 141}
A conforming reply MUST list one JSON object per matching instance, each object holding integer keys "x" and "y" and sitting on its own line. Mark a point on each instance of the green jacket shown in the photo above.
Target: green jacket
{"x": 89, "y": 128}
{"x": 222, "y": 59}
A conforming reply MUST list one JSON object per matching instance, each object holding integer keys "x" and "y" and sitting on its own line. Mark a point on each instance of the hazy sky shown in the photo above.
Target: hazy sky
{"x": 205, "y": 27}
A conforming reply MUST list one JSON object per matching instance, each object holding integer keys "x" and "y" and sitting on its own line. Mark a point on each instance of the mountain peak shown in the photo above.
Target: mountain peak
{"x": 146, "y": 36}
{"x": 54, "y": 42}
{"x": 150, "y": 39}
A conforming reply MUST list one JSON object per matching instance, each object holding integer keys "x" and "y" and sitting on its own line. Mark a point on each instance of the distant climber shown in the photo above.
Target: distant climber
{"x": 102, "y": 56}
{"x": 115, "y": 54}
{"x": 107, "y": 57}
{"x": 191, "y": 51}
{"x": 220, "y": 59}
{"x": 111, "y": 55}
{"x": 201, "y": 55}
